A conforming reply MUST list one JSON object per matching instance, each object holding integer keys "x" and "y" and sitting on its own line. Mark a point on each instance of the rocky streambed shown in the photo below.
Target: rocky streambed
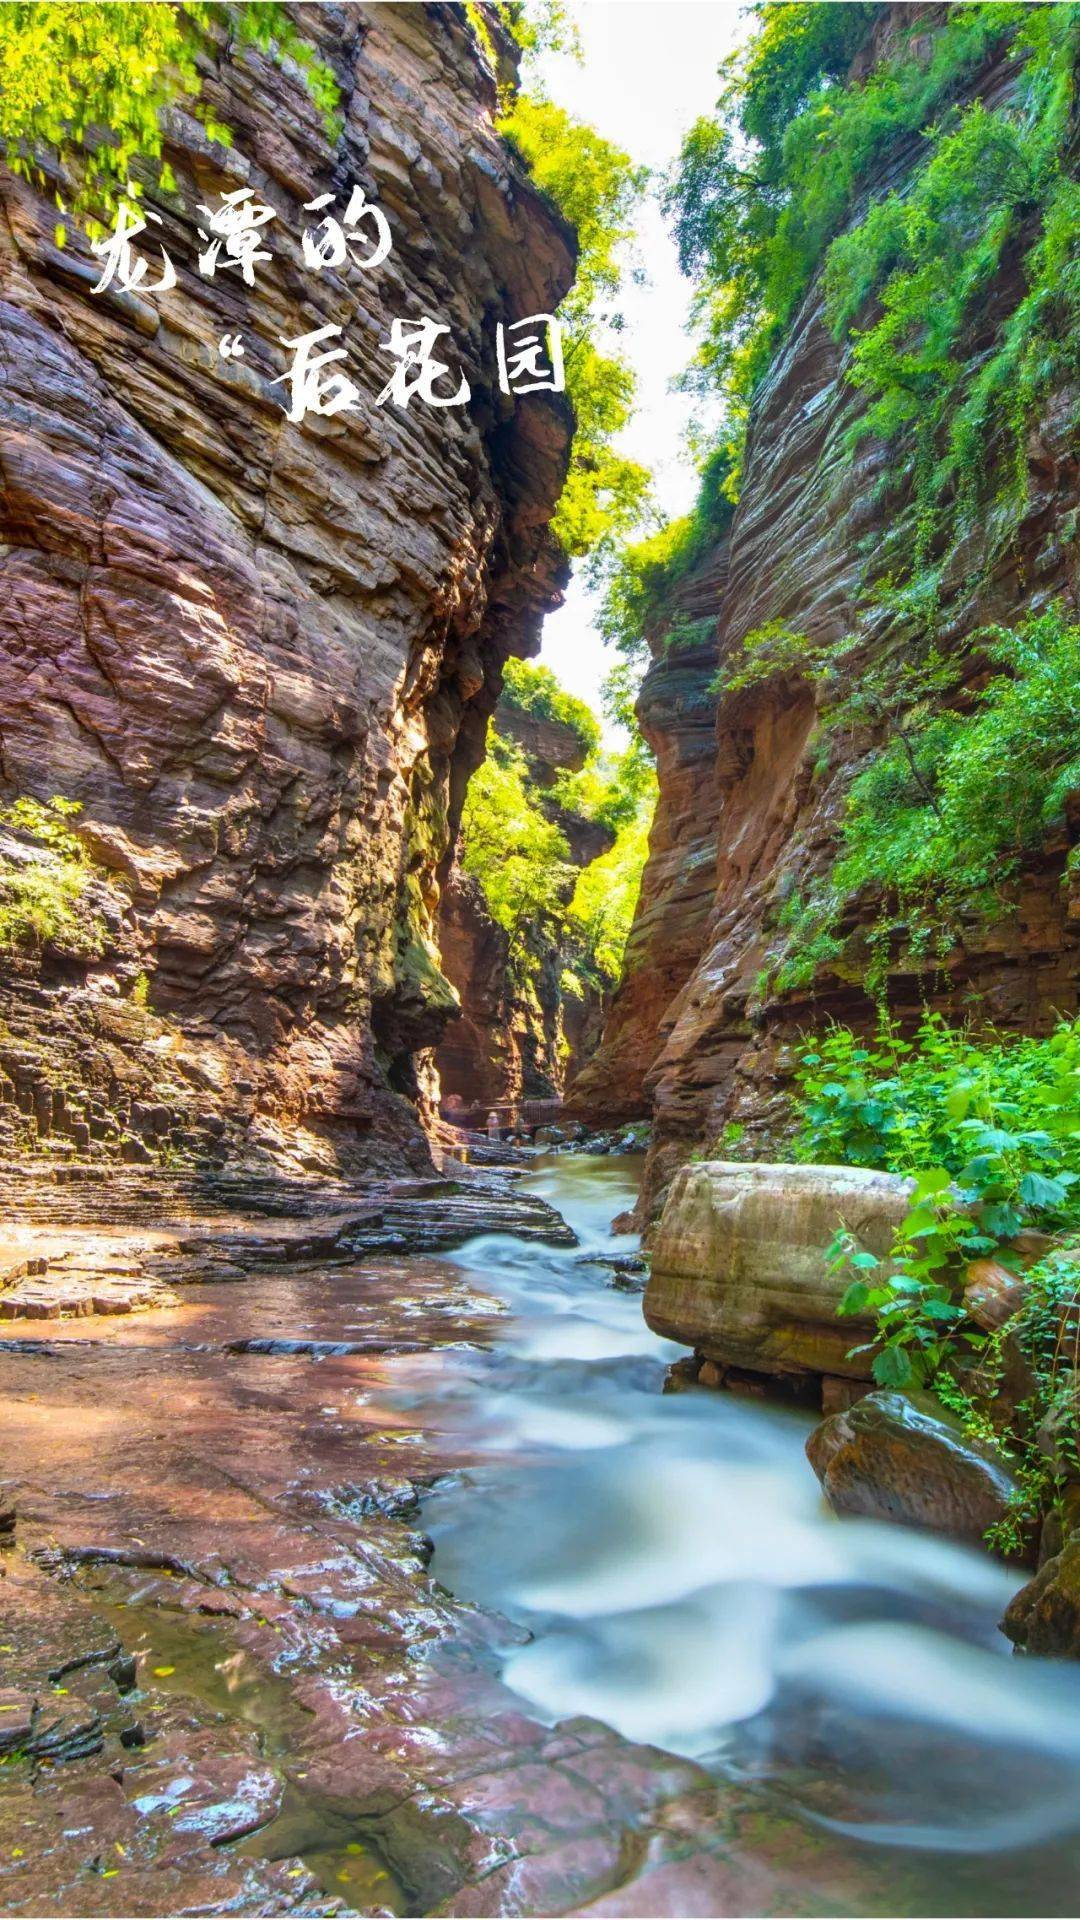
{"x": 644, "y": 1671}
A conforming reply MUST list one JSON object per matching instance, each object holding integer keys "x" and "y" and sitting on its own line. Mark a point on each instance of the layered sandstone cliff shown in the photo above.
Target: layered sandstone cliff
{"x": 749, "y": 802}
{"x": 261, "y": 656}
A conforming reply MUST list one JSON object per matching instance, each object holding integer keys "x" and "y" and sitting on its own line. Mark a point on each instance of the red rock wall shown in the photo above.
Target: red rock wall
{"x": 261, "y": 655}
{"x": 745, "y": 814}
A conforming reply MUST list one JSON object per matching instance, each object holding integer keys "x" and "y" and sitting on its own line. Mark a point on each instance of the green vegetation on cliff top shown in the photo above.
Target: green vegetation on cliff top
{"x": 534, "y": 689}
{"x": 776, "y": 188}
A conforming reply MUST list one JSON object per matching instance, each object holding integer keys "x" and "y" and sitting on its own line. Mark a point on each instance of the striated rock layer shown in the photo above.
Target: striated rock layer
{"x": 749, "y": 805}
{"x": 261, "y": 655}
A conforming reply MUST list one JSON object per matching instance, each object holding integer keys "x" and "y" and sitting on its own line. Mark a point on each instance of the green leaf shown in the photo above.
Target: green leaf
{"x": 934, "y": 1181}
{"x": 1036, "y": 1190}
{"x": 893, "y": 1368}
{"x": 854, "y": 1298}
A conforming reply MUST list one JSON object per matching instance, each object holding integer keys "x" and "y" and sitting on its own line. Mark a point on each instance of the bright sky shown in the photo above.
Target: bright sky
{"x": 648, "y": 71}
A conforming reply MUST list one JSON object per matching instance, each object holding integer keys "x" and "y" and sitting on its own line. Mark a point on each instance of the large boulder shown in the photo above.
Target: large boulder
{"x": 901, "y": 1457}
{"x": 739, "y": 1266}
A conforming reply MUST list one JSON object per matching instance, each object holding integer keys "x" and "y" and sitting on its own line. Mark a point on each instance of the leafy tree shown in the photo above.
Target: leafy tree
{"x": 512, "y": 844}
{"x": 605, "y": 898}
{"x": 88, "y": 82}
{"x": 595, "y": 186}
{"x": 519, "y": 858}
{"x": 643, "y": 574}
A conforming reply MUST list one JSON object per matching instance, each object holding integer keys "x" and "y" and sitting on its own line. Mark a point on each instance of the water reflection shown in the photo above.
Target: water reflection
{"x": 681, "y": 1580}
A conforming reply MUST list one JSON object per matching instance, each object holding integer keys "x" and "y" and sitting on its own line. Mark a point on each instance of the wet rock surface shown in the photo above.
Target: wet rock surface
{"x": 51, "y": 1275}
{"x": 1044, "y": 1618}
{"x": 228, "y": 1684}
{"x": 901, "y": 1457}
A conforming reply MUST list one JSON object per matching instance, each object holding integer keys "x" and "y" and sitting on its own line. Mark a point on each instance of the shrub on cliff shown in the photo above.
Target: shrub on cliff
{"x": 951, "y": 1098}
{"x": 44, "y": 876}
{"x": 595, "y": 186}
{"x": 90, "y": 82}
{"x": 939, "y": 819}
{"x": 988, "y": 1125}
{"x": 764, "y": 194}
{"x": 534, "y": 689}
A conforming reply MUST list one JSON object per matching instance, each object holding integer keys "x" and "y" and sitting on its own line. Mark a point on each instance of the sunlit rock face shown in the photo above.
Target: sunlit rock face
{"x": 747, "y": 815}
{"x": 261, "y": 655}
{"x": 677, "y": 713}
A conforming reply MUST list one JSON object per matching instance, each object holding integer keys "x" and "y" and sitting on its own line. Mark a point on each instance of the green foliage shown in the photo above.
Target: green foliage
{"x": 988, "y": 1125}
{"x": 534, "y": 689}
{"x": 761, "y": 192}
{"x": 932, "y": 258}
{"x": 687, "y": 636}
{"x": 535, "y": 26}
{"x": 643, "y": 576}
{"x": 1042, "y": 1437}
{"x": 948, "y": 1097}
{"x": 938, "y": 822}
{"x": 769, "y": 651}
{"x": 763, "y": 198}
{"x": 519, "y": 858}
{"x": 609, "y": 787}
{"x": 513, "y": 845}
{"x": 75, "y": 72}
{"x": 41, "y": 896}
{"x": 605, "y": 897}
{"x": 596, "y": 187}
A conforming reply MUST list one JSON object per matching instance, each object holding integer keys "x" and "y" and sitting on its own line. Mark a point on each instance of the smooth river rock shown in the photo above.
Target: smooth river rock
{"x": 740, "y": 1268}
{"x": 901, "y": 1457}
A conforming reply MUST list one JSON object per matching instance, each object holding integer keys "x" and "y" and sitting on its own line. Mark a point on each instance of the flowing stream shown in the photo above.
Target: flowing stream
{"x": 680, "y": 1578}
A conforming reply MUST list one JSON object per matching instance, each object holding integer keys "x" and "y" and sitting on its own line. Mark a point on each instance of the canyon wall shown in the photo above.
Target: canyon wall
{"x": 260, "y": 656}
{"x": 751, "y": 791}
